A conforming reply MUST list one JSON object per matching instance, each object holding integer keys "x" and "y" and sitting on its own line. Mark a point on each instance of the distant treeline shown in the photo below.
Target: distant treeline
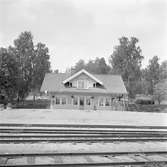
{"x": 23, "y": 67}
{"x": 126, "y": 60}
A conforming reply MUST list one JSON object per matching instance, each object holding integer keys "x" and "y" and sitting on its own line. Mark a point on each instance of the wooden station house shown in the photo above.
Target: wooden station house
{"x": 84, "y": 90}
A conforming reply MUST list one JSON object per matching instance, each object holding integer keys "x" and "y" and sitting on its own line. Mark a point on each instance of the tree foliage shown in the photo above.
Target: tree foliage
{"x": 78, "y": 66}
{"x": 23, "y": 66}
{"x": 41, "y": 65}
{"x": 126, "y": 60}
{"x": 152, "y": 74}
{"x": 24, "y": 50}
{"x": 160, "y": 91}
{"x": 8, "y": 73}
{"x": 97, "y": 66}
{"x": 163, "y": 70}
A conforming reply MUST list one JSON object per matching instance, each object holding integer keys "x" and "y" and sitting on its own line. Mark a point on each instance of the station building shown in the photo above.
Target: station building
{"x": 84, "y": 90}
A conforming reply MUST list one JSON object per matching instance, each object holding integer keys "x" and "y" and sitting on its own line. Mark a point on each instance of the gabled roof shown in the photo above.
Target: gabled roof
{"x": 80, "y": 72}
{"x": 112, "y": 84}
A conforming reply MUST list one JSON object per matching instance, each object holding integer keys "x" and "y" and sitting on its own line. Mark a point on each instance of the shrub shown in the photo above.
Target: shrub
{"x": 144, "y": 101}
{"x": 30, "y": 104}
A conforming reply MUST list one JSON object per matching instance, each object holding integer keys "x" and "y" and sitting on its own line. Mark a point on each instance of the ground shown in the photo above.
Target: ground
{"x": 47, "y": 116}
{"x": 83, "y": 147}
{"x": 59, "y": 116}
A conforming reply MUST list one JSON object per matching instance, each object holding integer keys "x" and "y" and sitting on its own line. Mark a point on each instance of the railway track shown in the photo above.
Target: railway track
{"x": 82, "y": 126}
{"x": 78, "y": 140}
{"x": 33, "y": 133}
{"x": 36, "y": 133}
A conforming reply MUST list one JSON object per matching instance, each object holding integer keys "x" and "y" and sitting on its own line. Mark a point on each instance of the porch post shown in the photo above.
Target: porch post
{"x": 78, "y": 98}
{"x": 72, "y": 100}
{"x": 60, "y": 100}
{"x": 104, "y": 101}
{"x": 85, "y": 100}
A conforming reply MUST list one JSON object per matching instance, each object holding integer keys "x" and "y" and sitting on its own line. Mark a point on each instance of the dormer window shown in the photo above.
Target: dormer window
{"x": 68, "y": 84}
{"x": 82, "y": 84}
{"x": 82, "y": 72}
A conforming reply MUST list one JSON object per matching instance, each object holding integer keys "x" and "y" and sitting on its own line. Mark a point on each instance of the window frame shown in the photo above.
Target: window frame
{"x": 82, "y": 84}
{"x": 107, "y": 99}
{"x": 101, "y": 101}
{"x": 57, "y": 100}
{"x": 62, "y": 100}
{"x": 75, "y": 98}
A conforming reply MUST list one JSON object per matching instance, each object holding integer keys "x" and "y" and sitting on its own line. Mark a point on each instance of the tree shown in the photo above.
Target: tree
{"x": 22, "y": 67}
{"x": 33, "y": 63}
{"x": 24, "y": 50}
{"x": 97, "y": 66}
{"x": 160, "y": 91}
{"x": 163, "y": 70}
{"x": 152, "y": 74}
{"x": 78, "y": 66}
{"x": 103, "y": 67}
{"x": 41, "y": 66}
{"x": 8, "y": 73}
{"x": 126, "y": 60}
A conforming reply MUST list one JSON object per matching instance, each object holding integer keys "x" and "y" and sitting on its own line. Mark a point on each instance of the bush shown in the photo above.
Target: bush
{"x": 30, "y": 104}
{"x": 144, "y": 101}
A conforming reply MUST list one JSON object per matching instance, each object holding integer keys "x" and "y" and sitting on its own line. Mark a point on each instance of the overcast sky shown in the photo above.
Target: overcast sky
{"x": 86, "y": 29}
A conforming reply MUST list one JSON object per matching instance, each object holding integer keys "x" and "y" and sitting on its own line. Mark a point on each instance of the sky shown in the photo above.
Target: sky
{"x": 86, "y": 29}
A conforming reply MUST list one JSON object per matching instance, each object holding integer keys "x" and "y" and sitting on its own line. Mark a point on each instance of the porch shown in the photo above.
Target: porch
{"x": 85, "y": 102}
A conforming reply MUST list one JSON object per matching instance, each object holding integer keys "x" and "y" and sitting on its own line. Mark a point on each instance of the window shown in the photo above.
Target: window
{"x": 57, "y": 100}
{"x": 107, "y": 101}
{"x": 69, "y": 100}
{"x": 101, "y": 102}
{"x": 75, "y": 100}
{"x": 82, "y": 84}
{"x": 63, "y": 100}
{"x": 88, "y": 101}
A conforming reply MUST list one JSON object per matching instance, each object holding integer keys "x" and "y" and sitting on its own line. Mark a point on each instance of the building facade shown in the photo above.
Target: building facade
{"x": 83, "y": 90}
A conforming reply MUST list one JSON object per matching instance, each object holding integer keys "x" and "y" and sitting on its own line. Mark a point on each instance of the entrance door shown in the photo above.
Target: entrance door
{"x": 81, "y": 102}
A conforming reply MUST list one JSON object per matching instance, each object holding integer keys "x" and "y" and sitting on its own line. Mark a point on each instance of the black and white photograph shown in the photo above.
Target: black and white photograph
{"x": 83, "y": 83}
